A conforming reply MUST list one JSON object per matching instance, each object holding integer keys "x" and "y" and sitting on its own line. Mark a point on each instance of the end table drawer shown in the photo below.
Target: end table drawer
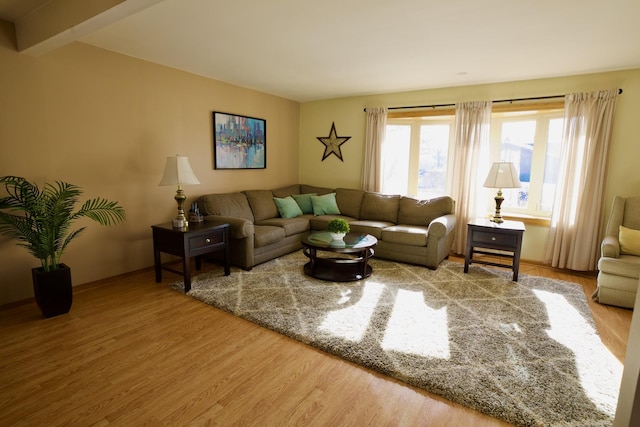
{"x": 206, "y": 240}
{"x": 495, "y": 238}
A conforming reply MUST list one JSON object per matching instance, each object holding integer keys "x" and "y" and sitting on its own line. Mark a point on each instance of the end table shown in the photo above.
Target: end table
{"x": 504, "y": 237}
{"x": 195, "y": 240}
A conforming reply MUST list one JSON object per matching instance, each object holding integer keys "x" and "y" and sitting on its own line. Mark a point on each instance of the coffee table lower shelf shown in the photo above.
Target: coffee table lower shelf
{"x": 338, "y": 269}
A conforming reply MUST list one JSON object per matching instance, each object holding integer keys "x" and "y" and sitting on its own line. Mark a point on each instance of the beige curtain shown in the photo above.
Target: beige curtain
{"x": 471, "y": 163}
{"x": 376, "y": 123}
{"x": 574, "y": 235}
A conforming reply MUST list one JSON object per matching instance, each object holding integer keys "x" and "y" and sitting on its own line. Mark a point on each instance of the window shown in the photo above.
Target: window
{"x": 418, "y": 157}
{"x": 531, "y": 140}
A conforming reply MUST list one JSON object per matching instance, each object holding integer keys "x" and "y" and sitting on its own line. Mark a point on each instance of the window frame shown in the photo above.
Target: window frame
{"x": 536, "y": 181}
{"x": 416, "y": 123}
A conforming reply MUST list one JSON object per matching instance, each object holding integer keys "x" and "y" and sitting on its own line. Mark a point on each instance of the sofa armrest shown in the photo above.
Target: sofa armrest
{"x": 610, "y": 247}
{"x": 238, "y": 227}
{"x": 442, "y": 225}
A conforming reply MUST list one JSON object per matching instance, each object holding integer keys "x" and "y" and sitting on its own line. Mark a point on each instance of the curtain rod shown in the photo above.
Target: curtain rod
{"x": 535, "y": 98}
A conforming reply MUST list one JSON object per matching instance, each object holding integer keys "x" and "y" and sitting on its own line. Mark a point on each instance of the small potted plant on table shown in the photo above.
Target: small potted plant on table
{"x": 40, "y": 219}
{"x": 338, "y": 228}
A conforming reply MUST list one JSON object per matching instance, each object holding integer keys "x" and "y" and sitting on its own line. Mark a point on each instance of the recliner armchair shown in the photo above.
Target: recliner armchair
{"x": 619, "y": 272}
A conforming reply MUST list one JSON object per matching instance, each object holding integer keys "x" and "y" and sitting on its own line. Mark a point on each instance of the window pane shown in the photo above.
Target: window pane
{"x": 432, "y": 168}
{"x": 517, "y": 147}
{"x": 395, "y": 159}
{"x": 552, "y": 164}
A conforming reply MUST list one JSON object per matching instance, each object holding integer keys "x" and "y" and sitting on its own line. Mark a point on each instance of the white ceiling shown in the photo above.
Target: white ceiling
{"x": 311, "y": 50}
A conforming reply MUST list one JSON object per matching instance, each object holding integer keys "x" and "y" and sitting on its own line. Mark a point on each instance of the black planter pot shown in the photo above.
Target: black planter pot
{"x": 52, "y": 290}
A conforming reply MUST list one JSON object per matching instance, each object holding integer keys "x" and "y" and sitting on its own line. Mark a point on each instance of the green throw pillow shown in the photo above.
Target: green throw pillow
{"x": 325, "y": 205}
{"x": 304, "y": 201}
{"x": 287, "y": 207}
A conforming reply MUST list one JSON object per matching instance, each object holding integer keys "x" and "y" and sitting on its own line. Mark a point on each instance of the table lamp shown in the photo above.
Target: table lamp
{"x": 177, "y": 171}
{"x": 502, "y": 175}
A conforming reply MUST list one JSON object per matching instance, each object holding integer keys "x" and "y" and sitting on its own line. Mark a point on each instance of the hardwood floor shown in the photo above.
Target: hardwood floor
{"x": 133, "y": 352}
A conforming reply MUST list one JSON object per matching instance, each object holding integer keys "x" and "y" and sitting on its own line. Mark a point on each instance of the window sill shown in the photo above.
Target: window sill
{"x": 527, "y": 219}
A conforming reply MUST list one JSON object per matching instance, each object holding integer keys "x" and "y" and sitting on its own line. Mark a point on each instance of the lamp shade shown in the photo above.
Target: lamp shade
{"x": 502, "y": 175}
{"x": 177, "y": 171}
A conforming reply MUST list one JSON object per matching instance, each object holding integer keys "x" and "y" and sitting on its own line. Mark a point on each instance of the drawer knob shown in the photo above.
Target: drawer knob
{"x": 208, "y": 240}
{"x": 493, "y": 238}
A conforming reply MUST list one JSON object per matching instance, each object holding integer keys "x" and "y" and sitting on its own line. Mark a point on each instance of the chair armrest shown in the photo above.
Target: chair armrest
{"x": 610, "y": 247}
{"x": 239, "y": 228}
{"x": 442, "y": 225}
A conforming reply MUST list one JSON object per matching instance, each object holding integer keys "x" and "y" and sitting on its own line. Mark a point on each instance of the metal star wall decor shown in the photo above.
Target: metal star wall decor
{"x": 332, "y": 143}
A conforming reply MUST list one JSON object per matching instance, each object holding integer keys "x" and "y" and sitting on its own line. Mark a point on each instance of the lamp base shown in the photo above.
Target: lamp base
{"x": 181, "y": 219}
{"x": 497, "y": 217}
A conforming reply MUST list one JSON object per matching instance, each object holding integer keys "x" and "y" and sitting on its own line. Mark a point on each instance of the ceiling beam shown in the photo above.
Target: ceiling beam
{"x": 59, "y": 22}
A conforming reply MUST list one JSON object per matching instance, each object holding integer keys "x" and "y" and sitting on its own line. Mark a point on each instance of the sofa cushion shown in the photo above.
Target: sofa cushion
{"x": 267, "y": 234}
{"x": 626, "y": 265}
{"x": 233, "y": 205}
{"x": 629, "y": 241}
{"x": 262, "y": 204}
{"x": 304, "y": 201}
{"x": 325, "y": 204}
{"x": 421, "y": 212}
{"x": 318, "y": 190}
{"x": 349, "y": 201}
{"x": 630, "y": 216}
{"x": 405, "y": 235}
{"x": 287, "y": 207}
{"x": 380, "y": 207}
{"x": 286, "y": 191}
{"x": 291, "y": 226}
{"x": 369, "y": 227}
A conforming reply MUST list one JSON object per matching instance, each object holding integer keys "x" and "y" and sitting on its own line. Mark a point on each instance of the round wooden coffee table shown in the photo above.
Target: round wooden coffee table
{"x": 355, "y": 250}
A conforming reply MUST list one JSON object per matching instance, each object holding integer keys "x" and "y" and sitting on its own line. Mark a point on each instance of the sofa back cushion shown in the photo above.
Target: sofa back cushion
{"x": 286, "y": 191}
{"x": 349, "y": 201}
{"x": 262, "y": 204}
{"x": 233, "y": 205}
{"x": 305, "y": 189}
{"x": 422, "y": 212}
{"x": 631, "y": 216}
{"x": 379, "y": 207}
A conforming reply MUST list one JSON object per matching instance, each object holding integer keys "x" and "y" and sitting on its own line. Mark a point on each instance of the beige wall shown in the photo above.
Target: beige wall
{"x": 106, "y": 122}
{"x": 349, "y": 118}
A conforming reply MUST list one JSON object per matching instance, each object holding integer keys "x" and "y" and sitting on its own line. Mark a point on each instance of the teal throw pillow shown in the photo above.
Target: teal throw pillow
{"x": 304, "y": 201}
{"x": 325, "y": 205}
{"x": 287, "y": 207}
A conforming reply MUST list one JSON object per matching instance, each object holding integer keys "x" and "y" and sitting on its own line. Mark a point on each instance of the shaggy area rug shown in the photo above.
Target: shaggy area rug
{"x": 527, "y": 352}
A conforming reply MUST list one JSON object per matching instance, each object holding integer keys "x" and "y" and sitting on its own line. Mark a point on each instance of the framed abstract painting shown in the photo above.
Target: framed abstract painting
{"x": 239, "y": 142}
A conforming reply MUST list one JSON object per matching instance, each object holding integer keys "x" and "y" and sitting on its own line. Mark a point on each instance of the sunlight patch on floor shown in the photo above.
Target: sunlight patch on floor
{"x": 415, "y": 328}
{"x": 351, "y": 322}
{"x": 570, "y": 329}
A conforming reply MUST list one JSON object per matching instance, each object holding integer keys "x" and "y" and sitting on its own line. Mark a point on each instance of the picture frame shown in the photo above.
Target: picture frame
{"x": 239, "y": 142}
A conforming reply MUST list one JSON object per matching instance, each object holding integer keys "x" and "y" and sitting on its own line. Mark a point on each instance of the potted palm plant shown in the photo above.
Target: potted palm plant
{"x": 338, "y": 228}
{"x": 41, "y": 219}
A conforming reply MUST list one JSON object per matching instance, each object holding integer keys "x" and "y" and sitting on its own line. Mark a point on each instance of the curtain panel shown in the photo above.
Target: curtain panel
{"x": 376, "y": 123}
{"x": 574, "y": 235}
{"x": 471, "y": 161}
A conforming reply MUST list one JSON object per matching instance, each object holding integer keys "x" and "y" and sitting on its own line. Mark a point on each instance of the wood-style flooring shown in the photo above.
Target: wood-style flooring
{"x": 133, "y": 352}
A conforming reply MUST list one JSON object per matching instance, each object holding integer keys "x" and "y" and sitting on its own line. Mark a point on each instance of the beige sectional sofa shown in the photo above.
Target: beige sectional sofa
{"x": 408, "y": 230}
